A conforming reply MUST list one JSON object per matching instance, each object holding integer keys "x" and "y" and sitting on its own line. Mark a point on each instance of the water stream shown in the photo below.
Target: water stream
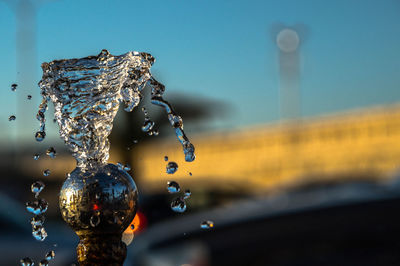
{"x": 86, "y": 94}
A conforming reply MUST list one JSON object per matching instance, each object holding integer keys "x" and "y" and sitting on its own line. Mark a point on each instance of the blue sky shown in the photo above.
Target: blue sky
{"x": 224, "y": 50}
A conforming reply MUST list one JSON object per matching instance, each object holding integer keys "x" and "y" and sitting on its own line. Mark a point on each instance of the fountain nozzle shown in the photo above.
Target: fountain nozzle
{"x": 99, "y": 204}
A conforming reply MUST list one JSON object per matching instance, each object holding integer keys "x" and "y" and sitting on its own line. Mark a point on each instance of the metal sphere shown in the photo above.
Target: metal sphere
{"x": 103, "y": 200}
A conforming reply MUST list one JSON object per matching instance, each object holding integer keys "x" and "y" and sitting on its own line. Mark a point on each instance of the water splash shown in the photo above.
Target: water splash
{"x": 173, "y": 187}
{"x": 86, "y": 94}
{"x": 148, "y": 125}
{"x": 178, "y": 205}
{"x": 207, "y": 225}
{"x": 39, "y": 233}
{"x": 51, "y": 152}
{"x": 172, "y": 167}
{"x": 37, "y": 207}
{"x": 37, "y": 187}
{"x": 127, "y": 167}
{"x": 50, "y": 255}
{"x": 187, "y": 194}
{"x": 26, "y": 262}
{"x": 37, "y": 220}
{"x": 44, "y": 263}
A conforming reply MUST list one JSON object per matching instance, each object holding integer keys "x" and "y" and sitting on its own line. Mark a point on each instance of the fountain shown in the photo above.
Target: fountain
{"x": 99, "y": 200}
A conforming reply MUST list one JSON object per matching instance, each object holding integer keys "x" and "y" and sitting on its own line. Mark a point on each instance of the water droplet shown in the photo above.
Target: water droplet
{"x": 172, "y": 167}
{"x": 36, "y": 157}
{"x": 188, "y": 150}
{"x": 166, "y": 158}
{"x": 11, "y": 118}
{"x": 14, "y": 87}
{"x": 127, "y": 167}
{"x": 120, "y": 166}
{"x": 135, "y": 141}
{"x": 44, "y": 263}
{"x": 29, "y": 97}
{"x": 147, "y": 126}
{"x": 132, "y": 226}
{"x": 94, "y": 220}
{"x": 155, "y": 132}
{"x": 38, "y": 206}
{"x": 178, "y": 205}
{"x": 26, "y": 262}
{"x": 173, "y": 187}
{"x": 175, "y": 120}
{"x": 37, "y": 187}
{"x": 39, "y": 233}
{"x": 37, "y": 220}
{"x": 46, "y": 172}
{"x": 50, "y": 255}
{"x": 207, "y": 225}
{"x": 51, "y": 152}
{"x": 187, "y": 194}
{"x": 40, "y": 135}
{"x": 190, "y": 173}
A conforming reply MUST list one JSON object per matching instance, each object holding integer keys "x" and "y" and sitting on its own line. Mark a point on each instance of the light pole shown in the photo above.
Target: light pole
{"x": 288, "y": 42}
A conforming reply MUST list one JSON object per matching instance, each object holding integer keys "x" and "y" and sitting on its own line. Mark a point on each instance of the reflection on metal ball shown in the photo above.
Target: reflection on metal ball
{"x": 99, "y": 205}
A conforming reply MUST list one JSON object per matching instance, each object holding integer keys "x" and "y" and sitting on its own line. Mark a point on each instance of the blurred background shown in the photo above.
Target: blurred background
{"x": 293, "y": 107}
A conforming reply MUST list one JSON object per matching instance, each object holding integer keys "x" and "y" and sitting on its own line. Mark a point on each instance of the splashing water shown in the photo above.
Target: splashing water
{"x": 173, "y": 187}
{"x": 50, "y": 255}
{"x": 37, "y": 220}
{"x": 26, "y": 262}
{"x": 172, "y": 167}
{"x": 187, "y": 194}
{"x": 44, "y": 263}
{"x": 39, "y": 233}
{"x": 86, "y": 94}
{"x": 178, "y": 205}
{"x": 37, "y": 187}
{"x": 51, "y": 152}
{"x": 127, "y": 167}
{"x": 207, "y": 225}
{"x": 148, "y": 125}
{"x": 37, "y": 207}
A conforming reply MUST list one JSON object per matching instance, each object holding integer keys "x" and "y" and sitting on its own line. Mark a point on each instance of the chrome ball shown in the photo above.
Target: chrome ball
{"x": 103, "y": 200}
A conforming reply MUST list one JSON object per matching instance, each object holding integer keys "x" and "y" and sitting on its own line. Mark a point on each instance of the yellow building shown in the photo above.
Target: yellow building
{"x": 362, "y": 144}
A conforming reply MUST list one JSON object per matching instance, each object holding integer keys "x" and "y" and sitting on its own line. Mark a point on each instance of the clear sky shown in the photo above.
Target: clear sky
{"x": 224, "y": 49}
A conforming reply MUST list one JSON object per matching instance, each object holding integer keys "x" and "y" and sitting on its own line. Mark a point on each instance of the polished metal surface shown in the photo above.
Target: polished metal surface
{"x": 100, "y": 201}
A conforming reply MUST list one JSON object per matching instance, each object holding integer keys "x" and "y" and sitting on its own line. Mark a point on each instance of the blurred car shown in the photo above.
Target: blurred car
{"x": 17, "y": 242}
{"x": 342, "y": 224}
